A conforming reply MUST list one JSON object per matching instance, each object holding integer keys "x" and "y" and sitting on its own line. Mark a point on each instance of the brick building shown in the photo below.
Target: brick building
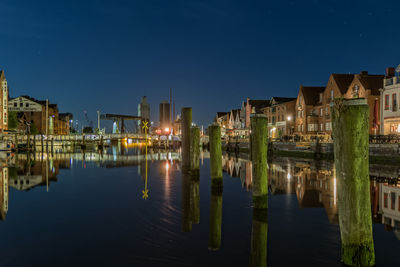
{"x": 367, "y": 86}
{"x": 254, "y": 107}
{"x": 280, "y": 116}
{"x": 3, "y": 102}
{"x": 308, "y": 100}
{"x": 33, "y": 112}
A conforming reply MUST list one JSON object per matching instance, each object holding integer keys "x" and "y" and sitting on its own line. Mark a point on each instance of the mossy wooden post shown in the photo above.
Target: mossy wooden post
{"x": 214, "y": 234}
{"x": 215, "y": 154}
{"x": 350, "y": 119}
{"x": 259, "y": 143}
{"x": 194, "y": 150}
{"x": 259, "y": 233}
{"x": 185, "y": 126}
{"x": 195, "y": 198}
{"x": 186, "y": 206}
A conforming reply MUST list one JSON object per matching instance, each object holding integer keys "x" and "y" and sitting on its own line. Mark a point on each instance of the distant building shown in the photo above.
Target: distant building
{"x": 254, "y": 107}
{"x": 222, "y": 119}
{"x": 280, "y": 116}
{"x": 306, "y": 115}
{"x": 33, "y": 112}
{"x": 165, "y": 117}
{"x": 390, "y": 111}
{"x": 3, "y": 102}
{"x": 65, "y": 123}
{"x": 143, "y": 111}
{"x": 367, "y": 86}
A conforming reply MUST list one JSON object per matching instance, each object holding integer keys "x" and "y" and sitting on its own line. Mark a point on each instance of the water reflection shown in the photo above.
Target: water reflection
{"x": 161, "y": 224}
{"x": 315, "y": 186}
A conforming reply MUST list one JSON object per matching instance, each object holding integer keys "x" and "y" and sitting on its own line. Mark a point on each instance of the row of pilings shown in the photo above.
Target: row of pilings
{"x": 350, "y": 120}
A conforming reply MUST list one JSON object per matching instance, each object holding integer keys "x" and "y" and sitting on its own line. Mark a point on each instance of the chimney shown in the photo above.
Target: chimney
{"x": 364, "y": 72}
{"x": 389, "y": 72}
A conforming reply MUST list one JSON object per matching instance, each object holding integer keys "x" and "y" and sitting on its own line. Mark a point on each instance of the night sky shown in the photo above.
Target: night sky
{"x": 90, "y": 55}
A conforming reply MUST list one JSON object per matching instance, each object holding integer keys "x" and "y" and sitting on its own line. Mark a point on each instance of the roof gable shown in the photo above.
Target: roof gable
{"x": 311, "y": 94}
{"x": 342, "y": 81}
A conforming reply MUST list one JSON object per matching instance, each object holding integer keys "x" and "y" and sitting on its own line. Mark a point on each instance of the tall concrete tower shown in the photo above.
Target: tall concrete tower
{"x": 143, "y": 111}
{"x": 165, "y": 118}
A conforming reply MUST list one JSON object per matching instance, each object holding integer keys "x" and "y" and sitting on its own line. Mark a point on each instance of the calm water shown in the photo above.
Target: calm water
{"x": 71, "y": 209}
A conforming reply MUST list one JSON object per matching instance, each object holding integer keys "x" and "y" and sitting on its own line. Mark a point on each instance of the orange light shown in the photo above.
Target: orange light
{"x": 166, "y": 166}
{"x": 166, "y": 130}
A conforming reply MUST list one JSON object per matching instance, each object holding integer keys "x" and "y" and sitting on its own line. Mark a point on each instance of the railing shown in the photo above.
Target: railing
{"x": 384, "y": 139}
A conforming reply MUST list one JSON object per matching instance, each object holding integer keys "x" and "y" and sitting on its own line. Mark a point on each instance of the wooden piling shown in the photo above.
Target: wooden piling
{"x": 214, "y": 234}
{"x": 259, "y": 142}
{"x": 259, "y": 233}
{"x": 350, "y": 119}
{"x": 215, "y": 154}
{"x": 195, "y": 198}
{"x": 186, "y": 207}
{"x": 185, "y": 126}
{"x": 194, "y": 150}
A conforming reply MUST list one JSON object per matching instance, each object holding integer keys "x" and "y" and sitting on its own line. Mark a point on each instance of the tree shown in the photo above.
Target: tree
{"x": 87, "y": 129}
{"x": 12, "y": 120}
{"x": 34, "y": 130}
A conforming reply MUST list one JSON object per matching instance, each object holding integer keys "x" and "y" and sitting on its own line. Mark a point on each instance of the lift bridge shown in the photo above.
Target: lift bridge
{"x": 119, "y": 121}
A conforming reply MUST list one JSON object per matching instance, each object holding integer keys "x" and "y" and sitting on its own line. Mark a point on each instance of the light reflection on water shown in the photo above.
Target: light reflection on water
{"x": 89, "y": 206}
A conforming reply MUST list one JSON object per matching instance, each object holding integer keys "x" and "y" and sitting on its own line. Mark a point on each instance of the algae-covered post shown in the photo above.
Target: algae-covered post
{"x": 186, "y": 206}
{"x": 259, "y": 233}
{"x": 194, "y": 150}
{"x": 350, "y": 119}
{"x": 215, "y": 153}
{"x": 214, "y": 235}
{"x": 185, "y": 126}
{"x": 195, "y": 198}
{"x": 259, "y": 142}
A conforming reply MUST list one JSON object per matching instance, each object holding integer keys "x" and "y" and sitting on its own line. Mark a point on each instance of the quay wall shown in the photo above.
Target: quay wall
{"x": 379, "y": 153}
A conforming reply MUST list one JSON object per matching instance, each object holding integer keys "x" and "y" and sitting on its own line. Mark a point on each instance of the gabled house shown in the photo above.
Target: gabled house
{"x": 308, "y": 98}
{"x": 255, "y": 107}
{"x": 336, "y": 87}
{"x": 234, "y": 119}
{"x": 367, "y": 86}
{"x": 280, "y": 116}
{"x": 222, "y": 119}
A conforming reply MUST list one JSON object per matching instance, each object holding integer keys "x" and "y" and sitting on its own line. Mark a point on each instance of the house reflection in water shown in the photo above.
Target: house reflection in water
{"x": 3, "y": 192}
{"x": 315, "y": 186}
{"x": 36, "y": 173}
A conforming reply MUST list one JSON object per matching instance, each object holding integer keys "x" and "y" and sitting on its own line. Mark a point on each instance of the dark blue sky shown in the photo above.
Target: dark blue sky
{"x": 90, "y": 55}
